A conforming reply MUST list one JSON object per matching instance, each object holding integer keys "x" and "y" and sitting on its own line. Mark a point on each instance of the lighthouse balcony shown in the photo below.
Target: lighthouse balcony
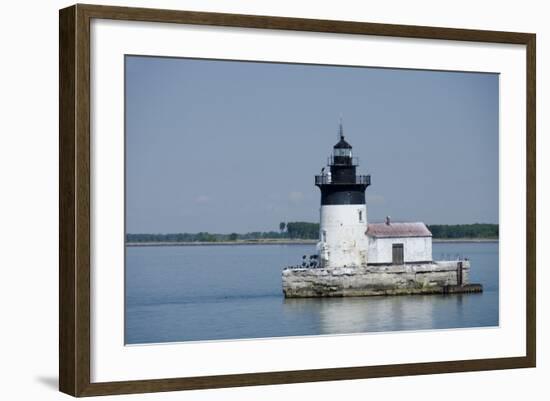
{"x": 358, "y": 179}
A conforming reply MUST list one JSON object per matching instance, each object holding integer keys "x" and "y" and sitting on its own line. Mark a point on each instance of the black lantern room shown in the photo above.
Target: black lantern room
{"x": 340, "y": 184}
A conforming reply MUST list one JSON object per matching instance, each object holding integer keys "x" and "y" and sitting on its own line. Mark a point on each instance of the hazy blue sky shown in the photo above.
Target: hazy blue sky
{"x": 225, "y": 146}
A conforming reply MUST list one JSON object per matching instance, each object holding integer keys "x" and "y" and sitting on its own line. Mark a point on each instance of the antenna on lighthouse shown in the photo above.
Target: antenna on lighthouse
{"x": 341, "y": 128}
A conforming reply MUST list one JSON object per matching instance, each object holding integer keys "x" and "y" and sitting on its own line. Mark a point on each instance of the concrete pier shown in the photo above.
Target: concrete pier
{"x": 442, "y": 277}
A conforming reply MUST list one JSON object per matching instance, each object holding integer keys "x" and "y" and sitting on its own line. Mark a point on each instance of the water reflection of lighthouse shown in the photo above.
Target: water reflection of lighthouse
{"x": 343, "y": 222}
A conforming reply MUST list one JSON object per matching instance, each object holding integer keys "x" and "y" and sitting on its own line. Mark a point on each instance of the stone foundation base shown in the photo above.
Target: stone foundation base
{"x": 442, "y": 277}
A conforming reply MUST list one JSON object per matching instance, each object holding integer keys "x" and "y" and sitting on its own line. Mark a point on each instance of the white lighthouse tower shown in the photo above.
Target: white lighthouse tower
{"x": 343, "y": 226}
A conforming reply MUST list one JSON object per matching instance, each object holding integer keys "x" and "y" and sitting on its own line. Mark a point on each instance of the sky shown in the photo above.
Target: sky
{"x": 233, "y": 146}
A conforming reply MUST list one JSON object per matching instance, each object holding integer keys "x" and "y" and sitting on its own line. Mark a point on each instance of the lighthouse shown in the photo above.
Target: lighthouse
{"x": 343, "y": 215}
{"x": 357, "y": 259}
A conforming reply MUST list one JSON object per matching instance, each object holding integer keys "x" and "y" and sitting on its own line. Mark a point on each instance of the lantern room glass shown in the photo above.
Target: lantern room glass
{"x": 339, "y": 152}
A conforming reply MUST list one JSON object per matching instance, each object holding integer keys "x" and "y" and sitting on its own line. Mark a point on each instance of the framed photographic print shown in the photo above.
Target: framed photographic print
{"x": 250, "y": 200}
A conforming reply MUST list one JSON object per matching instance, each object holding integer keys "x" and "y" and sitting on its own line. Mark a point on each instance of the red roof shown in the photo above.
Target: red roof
{"x": 398, "y": 230}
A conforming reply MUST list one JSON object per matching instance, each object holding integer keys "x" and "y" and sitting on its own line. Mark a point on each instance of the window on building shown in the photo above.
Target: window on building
{"x": 397, "y": 254}
{"x": 360, "y": 216}
{"x": 324, "y": 236}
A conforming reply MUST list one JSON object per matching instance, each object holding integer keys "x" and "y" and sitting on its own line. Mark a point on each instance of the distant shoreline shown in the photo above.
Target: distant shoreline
{"x": 287, "y": 242}
{"x": 465, "y": 240}
{"x": 238, "y": 242}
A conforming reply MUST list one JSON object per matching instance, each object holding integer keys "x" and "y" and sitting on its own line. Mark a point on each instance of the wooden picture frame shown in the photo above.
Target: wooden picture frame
{"x": 74, "y": 200}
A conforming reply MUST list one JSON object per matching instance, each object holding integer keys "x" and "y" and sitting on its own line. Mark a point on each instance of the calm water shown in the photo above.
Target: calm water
{"x": 230, "y": 292}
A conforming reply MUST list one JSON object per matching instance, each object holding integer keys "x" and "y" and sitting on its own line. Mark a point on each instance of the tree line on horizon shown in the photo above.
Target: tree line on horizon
{"x": 310, "y": 231}
{"x": 453, "y": 231}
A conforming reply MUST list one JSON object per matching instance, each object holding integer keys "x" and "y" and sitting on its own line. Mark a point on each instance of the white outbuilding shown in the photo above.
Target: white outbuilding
{"x": 398, "y": 243}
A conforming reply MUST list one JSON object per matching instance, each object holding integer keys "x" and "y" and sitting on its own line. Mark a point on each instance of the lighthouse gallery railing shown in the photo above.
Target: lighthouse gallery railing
{"x": 326, "y": 179}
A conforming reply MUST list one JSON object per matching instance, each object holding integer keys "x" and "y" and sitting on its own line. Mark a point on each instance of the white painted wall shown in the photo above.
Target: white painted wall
{"x": 342, "y": 235}
{"x": 415, "y": 249}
